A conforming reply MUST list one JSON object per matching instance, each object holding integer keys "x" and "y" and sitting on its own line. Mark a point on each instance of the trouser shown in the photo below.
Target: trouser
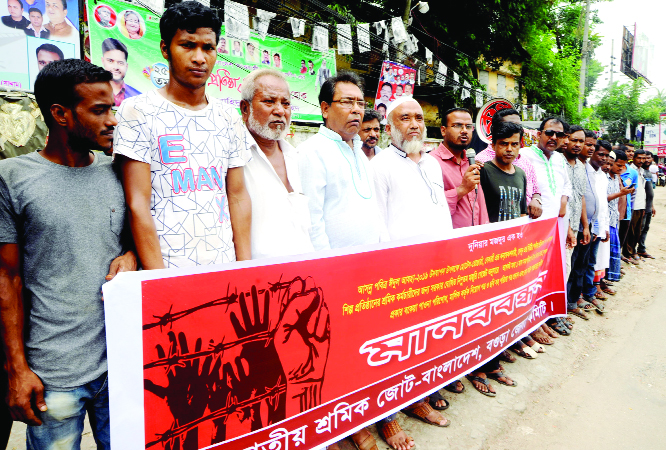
{"x": 634, "y": 233}
{"x": 589, "y": 289}
{"x": 615, "y": 262}
{"x": 5, "y": 418}
{"x": 569, "y": 256}
{"x": 647, "y": 218}
{"x": 623, "y": 231}
{"x": 491, "y": 366}
{"x": 579, "y": 263}
{"x": 62, "y": 422}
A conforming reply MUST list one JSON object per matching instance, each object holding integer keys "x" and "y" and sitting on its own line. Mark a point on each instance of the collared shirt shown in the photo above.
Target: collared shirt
{"x": 469, "y": 210}
{"x": 613, "y": 210}
{"x": 410, "y": 195}
{"x": 126, "y": 91}
{"x": 553, "y": 178}
{"x": 532, "y": 183}
{"x": 578, "y": 180}
{"x": 629, "y": 178}
{"x": 41, "y": 33}
{"x": 591, "y": 196}
{"x": 638, "y": 197}
{"x": 280, "y": 219}
{"x": 340, "y": 188}
{"x": 601, "y": 225}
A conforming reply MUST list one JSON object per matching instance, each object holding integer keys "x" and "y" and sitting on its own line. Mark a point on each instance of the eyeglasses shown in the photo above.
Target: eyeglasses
{"x": 551, "y": 133}
{"x": 460, "y": 126}
{"x": 348, "y": 103}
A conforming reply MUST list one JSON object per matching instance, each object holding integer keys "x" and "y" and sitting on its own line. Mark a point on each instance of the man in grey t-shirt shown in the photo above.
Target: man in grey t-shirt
{"x": 62, "y": 215}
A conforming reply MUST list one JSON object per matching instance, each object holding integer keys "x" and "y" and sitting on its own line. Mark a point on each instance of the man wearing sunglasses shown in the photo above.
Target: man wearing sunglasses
{"x": 550, "y": 166}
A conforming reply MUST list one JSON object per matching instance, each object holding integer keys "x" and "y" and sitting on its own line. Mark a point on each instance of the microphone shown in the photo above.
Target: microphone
{"x": 471, "y": 155}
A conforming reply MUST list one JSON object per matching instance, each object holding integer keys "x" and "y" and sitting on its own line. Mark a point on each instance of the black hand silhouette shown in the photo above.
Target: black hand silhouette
{"x": 259, "y": 368}
{"x": 186, "y": 393}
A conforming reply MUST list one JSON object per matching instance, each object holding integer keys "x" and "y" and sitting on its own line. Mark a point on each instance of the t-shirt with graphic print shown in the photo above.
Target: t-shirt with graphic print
{"x": 189, "y": 153}
{"x": 505, "y": 192}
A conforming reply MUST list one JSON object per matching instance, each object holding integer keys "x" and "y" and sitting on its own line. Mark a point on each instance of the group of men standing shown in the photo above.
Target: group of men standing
{"x": 201, "y": 184}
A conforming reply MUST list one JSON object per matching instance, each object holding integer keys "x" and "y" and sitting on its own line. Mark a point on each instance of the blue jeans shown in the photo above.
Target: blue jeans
{"x": 62, "y": 423}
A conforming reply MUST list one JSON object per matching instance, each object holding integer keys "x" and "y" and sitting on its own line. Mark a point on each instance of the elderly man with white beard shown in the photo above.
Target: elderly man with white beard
{"x": 410, "y": 195}
{"x": 280, "y": 215}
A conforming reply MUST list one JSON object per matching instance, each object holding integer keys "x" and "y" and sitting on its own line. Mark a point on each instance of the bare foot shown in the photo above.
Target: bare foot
{"x": 400, "y": 441}
{"x": 549, "y": 331}
{"x": 440, "y": 403}
{"x": 541, "y": 337}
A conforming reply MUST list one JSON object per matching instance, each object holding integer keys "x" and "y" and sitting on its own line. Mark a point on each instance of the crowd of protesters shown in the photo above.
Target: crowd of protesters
{"x": 192, "y": 182}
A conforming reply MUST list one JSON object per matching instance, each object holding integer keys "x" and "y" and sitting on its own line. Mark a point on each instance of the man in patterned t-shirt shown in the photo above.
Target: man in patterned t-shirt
{"x": 182, "y": 155}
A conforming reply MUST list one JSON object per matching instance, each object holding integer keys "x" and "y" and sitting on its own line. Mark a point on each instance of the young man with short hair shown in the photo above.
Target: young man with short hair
{"x": 46, "y": 54}
{"x": 62, "y": 235}
{"x": 638, "y": 204}
{"x": 370, "y": 132}
{"x": 114, "y": 59}
{"x": 617, "y": 191}
{"x": 36, "y": 27}
{"x": 650, "y": 210}
{"x": 182, "y": 155}
{"x": 15, "y": 18}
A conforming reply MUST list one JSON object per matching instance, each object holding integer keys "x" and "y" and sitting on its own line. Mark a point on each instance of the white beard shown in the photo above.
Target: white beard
{"x": 265, "y": 131}
{"x": 412, "y": 146}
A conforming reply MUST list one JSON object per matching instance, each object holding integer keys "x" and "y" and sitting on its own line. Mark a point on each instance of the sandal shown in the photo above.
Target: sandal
{"x": 559, "y": 327}
{"x": 433, "y": 403}
{"x": 597, "y": 304}
{"x": 585, "y": 305}
{"x": 484, "y": 381}
{"x": 646, "y": 255}
{"x": 421, "y": 412}
{"x": 390, "y": 429}
{"x": 452, "y": 387}
{"x": 629, "y": 260}
{"x": 507, "y": 357}
{"x": 497, "y": 375}
{"x": 525, "y": 352}
{"x": 608, "y": 290}
{"x": 578, "y": 312}
{"x": 600, "y": 296}
{"x": 538, "y": 348}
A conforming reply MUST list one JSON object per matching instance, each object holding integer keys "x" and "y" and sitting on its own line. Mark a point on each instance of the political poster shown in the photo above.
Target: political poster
{"x": 396, "y": 80}
{"x": 297, "y": 352}
{"x": 129, "y": 46}
{"x": 485, "y": 117}
{"x": 34, "y": 34}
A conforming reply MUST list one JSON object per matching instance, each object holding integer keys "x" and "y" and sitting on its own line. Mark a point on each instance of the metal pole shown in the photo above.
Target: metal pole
{"x": 405, "y": 20}
{"x": 583, "y": 63}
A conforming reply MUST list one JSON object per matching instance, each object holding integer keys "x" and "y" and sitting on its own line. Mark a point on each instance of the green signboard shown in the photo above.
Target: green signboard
{"x": 145, "y": 68}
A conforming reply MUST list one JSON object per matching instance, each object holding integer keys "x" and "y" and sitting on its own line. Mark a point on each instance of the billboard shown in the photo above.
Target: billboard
{"x": 642, "y": 54}
{"x": 117, "y": 26}
{"x": 32, "y": 36}
{"x": 627, "y": 57}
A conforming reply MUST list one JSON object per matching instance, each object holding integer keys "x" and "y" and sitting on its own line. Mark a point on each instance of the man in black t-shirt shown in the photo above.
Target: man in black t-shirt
{"x": 650, "y": 210}
{"x": 504, "y": 184}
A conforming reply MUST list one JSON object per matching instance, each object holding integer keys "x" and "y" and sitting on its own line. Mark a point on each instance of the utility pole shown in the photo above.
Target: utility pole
{"x": 405, "y": 20}
{"x": 583, "y": 63}
{"x": 612, "y": 61}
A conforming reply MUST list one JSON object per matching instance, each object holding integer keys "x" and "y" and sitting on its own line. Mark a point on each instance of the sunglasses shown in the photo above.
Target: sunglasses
{"x": 551, "y": 133}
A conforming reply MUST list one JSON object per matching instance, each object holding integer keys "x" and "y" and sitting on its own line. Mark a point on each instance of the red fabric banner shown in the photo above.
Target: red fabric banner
{"x": 301, "y": 353}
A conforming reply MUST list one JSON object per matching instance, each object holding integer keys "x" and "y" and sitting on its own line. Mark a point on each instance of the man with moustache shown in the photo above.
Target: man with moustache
{"x": 629, "y": 178}
{"x": 370, "y": 132}
{"x": 62, "y": 235}
{"x": 36, "y": 27}
{"x": 638, "y": 204}
{"x": 280, "y": 215}
{"x": 179, "y": 148}
{"x": 337, "y": 180}
{"x": 650, "y": 210}
{"x": 464, "y": 196}
{"x": 114, "y": 59}
{"x": 410, "y": 193}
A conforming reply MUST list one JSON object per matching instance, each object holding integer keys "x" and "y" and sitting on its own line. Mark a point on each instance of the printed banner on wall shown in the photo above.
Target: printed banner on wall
{"x": 396, "y": 80}
{"x": 143, "y": 68}
{"x": 246, "y": 356}
{"x": 34, "y": 34}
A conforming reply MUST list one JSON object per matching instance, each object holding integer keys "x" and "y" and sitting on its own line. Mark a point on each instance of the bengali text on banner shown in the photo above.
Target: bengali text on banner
{"x": 297, "y": 352}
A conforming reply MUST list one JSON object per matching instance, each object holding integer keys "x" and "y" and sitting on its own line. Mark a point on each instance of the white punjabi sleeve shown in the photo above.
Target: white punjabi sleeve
{"x": 381, "y": 182}
{"x": 313, "y": 182}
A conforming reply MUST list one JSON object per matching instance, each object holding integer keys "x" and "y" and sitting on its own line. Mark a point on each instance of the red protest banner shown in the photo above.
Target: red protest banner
{"x": 306, "y": 351}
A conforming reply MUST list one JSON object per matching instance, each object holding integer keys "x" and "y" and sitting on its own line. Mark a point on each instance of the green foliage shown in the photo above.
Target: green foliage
{"x": 622, "y": 102}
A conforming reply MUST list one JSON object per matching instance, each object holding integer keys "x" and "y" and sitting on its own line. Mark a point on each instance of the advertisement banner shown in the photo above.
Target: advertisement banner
{"x": 302, "y": 351}
{"x": 485, "y": 117}
{"x": 144, "y": 68}
{"x": 34, "y": 34}
{"x": 396, "y": 80}
{"x": 662, "y": 129}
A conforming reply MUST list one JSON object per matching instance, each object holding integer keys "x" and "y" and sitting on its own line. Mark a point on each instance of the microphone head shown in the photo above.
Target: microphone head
{"x": 471, "y": 155}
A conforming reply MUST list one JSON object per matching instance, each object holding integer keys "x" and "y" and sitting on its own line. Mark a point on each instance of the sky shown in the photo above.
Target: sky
{"x": 650, "y": 18}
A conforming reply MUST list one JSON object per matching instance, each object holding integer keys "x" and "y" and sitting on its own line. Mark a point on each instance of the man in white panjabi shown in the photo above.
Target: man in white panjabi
{"x": 280, "y": 215}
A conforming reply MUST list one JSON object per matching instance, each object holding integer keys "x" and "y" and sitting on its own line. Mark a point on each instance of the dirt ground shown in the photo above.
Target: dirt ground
{"x": 604, "y": 387}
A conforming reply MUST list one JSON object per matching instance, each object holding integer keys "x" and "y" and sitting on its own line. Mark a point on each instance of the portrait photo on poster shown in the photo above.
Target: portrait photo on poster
{"x": 251, "y": 53}
{"x": 223, "y": 46}
{"x": 131, "y": 24}
{"x": 42, "y": 52}
{"x": 277, "y": 60}
{"x": 115, "y": 59}
{"x": 237, "y": 48}
{"x": 105, "y": 16}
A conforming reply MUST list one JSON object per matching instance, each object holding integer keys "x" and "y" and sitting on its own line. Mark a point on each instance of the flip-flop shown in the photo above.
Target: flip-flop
{"x": 538, "y": 348}
{"x": 583, "y": 304}
{"x": 505, "y": 356}
{"x": 646, "y": 255}
{"x": 484, "y": 381}
{"x": 600, "y": 296}
{"x": 451, "y": 387}
{"x": 608, "y": 290}
{"x": 420, "y": 413}
{"x": 600, "y": 307}
{"x": 559, "y": 327}
{"x": 497, "y": 375}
